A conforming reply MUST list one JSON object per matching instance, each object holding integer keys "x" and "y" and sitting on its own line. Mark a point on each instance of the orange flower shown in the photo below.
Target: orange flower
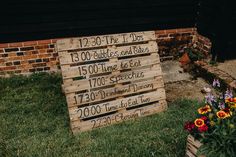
{"x": 204, "y": 110}
{"x": 222, "y": 114}
{"x": 233, "y": 105}
{"x": 227, "y": 111}
{"x": 230, "y": 100}
{"x": 199, "y": 122}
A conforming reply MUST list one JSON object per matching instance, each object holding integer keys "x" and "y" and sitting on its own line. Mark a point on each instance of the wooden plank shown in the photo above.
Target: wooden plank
{"x": 192, "y": 147}
{"x": 115, "y": 105}
{"x": 108, "y": 93}
{"x": 111, "y": 66}
{"x": 79, "y": 126}
{"x": 101, "y": 81}
{"x": 81, "y": 56}
{"x": 104, "y": 40}
{"x": 194, "y": 142}
{"x": 189, "y": 154}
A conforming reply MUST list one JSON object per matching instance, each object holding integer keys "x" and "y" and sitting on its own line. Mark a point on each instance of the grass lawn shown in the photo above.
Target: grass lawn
{"x": 34, "y": 122}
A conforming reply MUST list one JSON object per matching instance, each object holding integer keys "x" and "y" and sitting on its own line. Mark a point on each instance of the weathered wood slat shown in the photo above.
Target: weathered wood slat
{"x": 111, "y": 106}
{"x": 81, "y": 56}
{"x": 114, "y": 92}
{"x": 106, "y": 80}
{"x": 110, "y": 66}
{"x": 79, "y": 126}
{"x": 104, "y": 40}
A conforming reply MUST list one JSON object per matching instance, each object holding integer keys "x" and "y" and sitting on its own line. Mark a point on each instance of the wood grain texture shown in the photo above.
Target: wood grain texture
{"x": 192, "y": 147}
{"x": 112, "y": 79}
{"x": 115, "y": 105}
{"x": 115, "y": 118}
{"x": 104, "y": 40}
{"x": 74, "y": 99}
{"x": 109, "y": 66}
{"x": 108, "y": 79}
{"x": 81, "y": 56}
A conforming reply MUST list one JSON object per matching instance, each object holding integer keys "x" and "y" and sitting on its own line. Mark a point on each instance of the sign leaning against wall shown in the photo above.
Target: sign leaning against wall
{"x": 108, "y": 79}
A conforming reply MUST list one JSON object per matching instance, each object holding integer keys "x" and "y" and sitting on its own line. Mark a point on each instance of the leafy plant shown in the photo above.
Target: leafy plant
{"x": 214, "y": 63}
{"x": 214, "y": 125}
{"x": 193, "y": 54}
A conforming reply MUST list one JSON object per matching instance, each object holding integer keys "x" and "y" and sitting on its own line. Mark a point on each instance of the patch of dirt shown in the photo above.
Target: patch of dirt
{"x": 190, "y": 89}
{"x": 228, "y": 67}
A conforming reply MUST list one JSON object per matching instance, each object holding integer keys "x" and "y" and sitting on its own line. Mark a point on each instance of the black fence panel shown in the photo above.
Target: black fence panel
{"x": 43, "y": 19}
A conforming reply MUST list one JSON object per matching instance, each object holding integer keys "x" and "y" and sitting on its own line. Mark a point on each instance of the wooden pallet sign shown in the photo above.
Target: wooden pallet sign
{"x": 108, "y": 79}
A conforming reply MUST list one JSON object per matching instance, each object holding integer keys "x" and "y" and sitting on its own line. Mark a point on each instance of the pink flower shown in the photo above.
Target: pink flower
{"x": 209, "y": 98}
{"x": 228, "y": 93}
{"x": 204, "y": 128}
{"x": 216, "y": 82}
{"x": 189, "y": 126}
{"x": 204, "y": 118}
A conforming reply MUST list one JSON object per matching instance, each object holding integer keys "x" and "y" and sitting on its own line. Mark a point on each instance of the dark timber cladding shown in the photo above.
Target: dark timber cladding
{"x": 111, "y": 78}
{"x": 42, "y": 19}
{"x": 217, "y": 21}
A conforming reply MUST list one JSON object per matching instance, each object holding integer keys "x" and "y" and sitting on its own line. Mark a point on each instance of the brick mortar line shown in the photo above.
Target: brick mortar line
{"x": 229, "y": 80}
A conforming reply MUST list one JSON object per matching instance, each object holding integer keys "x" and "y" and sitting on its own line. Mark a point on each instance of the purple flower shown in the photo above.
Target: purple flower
{"x": 209, "y": 98}
{"x": 221, "y": 105}
{"x": 216, "y": 82}
{"x": 228, "y": 94}
{"x": 221, "y": 96}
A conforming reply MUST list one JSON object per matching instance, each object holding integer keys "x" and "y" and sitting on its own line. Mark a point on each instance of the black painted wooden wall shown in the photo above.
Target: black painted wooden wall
{"x": 217, "y": 20}
{"x": 22, "y": 20}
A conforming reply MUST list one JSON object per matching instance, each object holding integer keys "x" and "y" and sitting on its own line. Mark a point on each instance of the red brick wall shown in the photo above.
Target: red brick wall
{"x": 172, "y": 41}
{"x": 36, "y": 56}
{"x": 28, "y": 57}
{"x": 203, "y": 44}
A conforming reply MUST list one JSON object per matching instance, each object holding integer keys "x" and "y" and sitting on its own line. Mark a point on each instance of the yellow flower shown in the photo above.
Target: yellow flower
{"x": 222, "y": 114}
{"x": 230, "y": 100}
{"x": 228, "y": 112}
{"x": 232, "y": 105}
{"x": 212, "y": 123}
{"x": 199, "y": 122}
{"x": 204, "y": 110}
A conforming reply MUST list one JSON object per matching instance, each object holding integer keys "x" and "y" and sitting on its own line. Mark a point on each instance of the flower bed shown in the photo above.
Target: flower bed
{"x": 214, "y": 125}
